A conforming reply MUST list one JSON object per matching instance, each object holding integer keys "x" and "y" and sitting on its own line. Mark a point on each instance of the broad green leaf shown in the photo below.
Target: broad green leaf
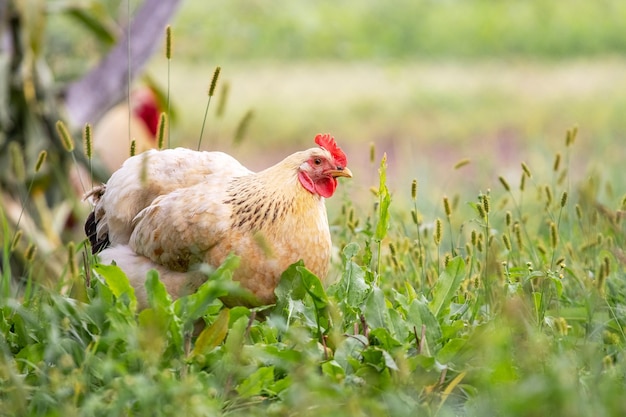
{"x": 333, "y": 370}
{"x": 384, "y": 201}
{"x": 156, "y": 292}
{"x": 313, "y": 287}
{"x": 420, "y": 316}
{"x": 354, "y": 285}
{"x": 385, "y": 339}
{"x": 212, "y": 335}
{"x": 383, "y": 214}
{"x": 378, "y": 358}
{"x": 118, "y": 282}
{"x": 351, "y": 347}
{"x": 447, "y": 285}
{"x": 235, "y": 338}
{"x": 397, "y": 324}
{"x": 350, "y": 250}
{"x": 279, "y": 386}
{"x": 256, "y": 382}
{"x": 375, "y": 309}
{"x": 352, "y": 289}
{"x": 98, "y": 23}
{"x": 218, "y": 284}
{"x": 153, "y": 326}
{"x": 558, "y": 285}
{"x": 290, "y": 286}
{"x": 450, "y": 350}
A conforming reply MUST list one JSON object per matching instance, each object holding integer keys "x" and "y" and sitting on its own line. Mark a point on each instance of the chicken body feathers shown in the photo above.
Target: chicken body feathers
{"x": 173, "y": 210}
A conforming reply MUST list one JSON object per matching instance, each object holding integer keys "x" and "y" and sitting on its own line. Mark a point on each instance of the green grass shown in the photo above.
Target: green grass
{"x": 510, "y": 302}
{"x": 404, "y": 29}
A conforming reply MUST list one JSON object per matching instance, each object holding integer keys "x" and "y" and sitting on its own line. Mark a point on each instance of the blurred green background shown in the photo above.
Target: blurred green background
{"x": 429, "y": 82}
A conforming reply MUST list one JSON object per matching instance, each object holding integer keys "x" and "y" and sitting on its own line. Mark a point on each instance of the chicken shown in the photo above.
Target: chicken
{"x": 177, "y": 209}
{"x": 111, "y": 138}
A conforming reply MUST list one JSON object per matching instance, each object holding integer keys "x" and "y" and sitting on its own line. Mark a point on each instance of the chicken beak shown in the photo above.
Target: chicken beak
{"x": 340, "y": 172}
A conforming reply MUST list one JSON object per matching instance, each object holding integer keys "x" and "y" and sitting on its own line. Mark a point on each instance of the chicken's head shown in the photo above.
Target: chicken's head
{"x": 318, "y": 174}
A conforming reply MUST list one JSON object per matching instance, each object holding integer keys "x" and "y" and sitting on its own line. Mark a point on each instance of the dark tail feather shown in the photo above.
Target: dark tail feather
{"x": 90, "y": 231}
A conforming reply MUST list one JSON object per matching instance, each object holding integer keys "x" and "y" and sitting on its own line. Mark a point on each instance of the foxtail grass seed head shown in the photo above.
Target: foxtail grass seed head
{"x": 446, "y": 207}
{"x": 71, "y": 259}
{"x": 414, "y": 217}
{"x": 87, "y": 142}
{"x": 17, "y": 161}
{"x": 517, "y": 231}
{"x": 222, "y": 99}
{"x": 161, "y": 130}
{"x": 554, "y": 235}
{"x": 594, "y": 217}
{"x": 392, "y": 248}
{"x": 30, "y": 252}
{"x": 602, "y": 275}
{"x": 473, "y": 237}
{"x": 64, "y": 135}
{"x": 168, "y": 42}
{"x": 607, "y": 265}
{"x": 143, "y": 173}
{"x": 438, "y": 232}
{"x": 508, "y": 218}
{"x": 414, "y": 190}
{"x": 481, "y": 210}
{"x": 579, "y": 212}
{"x": 242, "y": 128}
{"x": 548, "y": 192}
{"x": 41, "y": 159}
{"x": 522, "y": 182}
{"x": 216, "y": 76}
{"x": 373, "y": 153}
{"x": 504, "y": 183}
{"x": 561, "y": 326}
{"x": 446, "y": 259}
{"x": 542, "y": 249}
{"x": 462, "y": 163}
{"x": 570, "y": 137}
{"x": 506, "y": 241}
{"x": 563, "y": 199}
{"x": 526, "y": 170}
{"x": 486, "y": 203}
{"x": 16, "y": 240}
{"x": 133, "y": 147}
{"x": 557, "y": 162}
{"x": 479, "y": 244}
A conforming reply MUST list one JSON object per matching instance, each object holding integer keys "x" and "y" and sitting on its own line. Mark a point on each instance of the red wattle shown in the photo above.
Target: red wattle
{"x": 306, "y": 182}
{"x": 324, "y": 187}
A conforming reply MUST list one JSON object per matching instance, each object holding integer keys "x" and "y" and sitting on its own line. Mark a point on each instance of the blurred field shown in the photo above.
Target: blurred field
{"x": 427, "y": 82}
{"x": 426, "y": 116}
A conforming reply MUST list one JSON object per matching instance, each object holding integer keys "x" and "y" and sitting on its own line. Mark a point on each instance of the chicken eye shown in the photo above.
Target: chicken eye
{"x": 317, "y": 161}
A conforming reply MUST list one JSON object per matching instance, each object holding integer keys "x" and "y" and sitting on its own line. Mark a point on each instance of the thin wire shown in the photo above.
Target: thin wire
{"x": 129, "y": 71}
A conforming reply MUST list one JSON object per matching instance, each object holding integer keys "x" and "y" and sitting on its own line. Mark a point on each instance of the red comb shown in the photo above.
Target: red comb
{"x": 328, "y": 142}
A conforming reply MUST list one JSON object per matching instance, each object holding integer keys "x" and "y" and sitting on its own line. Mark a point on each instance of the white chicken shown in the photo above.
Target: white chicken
{"x": 174, "y": 210}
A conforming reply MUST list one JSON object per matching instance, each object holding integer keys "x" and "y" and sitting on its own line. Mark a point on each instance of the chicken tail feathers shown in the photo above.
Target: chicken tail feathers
{"x": 97, "y": 245}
